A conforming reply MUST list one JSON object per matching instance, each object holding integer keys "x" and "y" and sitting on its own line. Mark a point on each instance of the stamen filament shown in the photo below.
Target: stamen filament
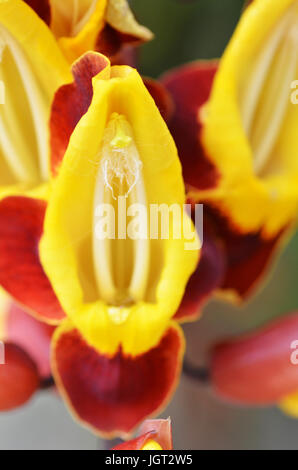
{"x": 121, "y": 265}
{"x": 102, "y": 249}
{"x": 255, "y": 81}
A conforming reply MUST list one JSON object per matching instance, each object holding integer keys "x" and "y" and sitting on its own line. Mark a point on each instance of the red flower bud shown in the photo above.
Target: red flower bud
{"x": 258, "y": 368}
{"x": 18, "y": 378}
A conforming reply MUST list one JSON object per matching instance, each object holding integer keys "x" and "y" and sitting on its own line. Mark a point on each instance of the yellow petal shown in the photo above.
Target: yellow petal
{"x": 77, "y": 24}
{"x": 289, "y": 405}
{"x": 32, "y": 67}
{"x": 250, "y": 123}
{"x": 120, "y": 292}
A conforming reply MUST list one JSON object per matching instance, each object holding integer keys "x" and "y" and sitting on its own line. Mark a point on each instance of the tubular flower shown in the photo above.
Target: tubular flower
{"x": 117, "y": 354}
{"x": 121, "y": 294}
{"x": 240, "y": 158}
{"x": 84, "y": 25}
{"x": 255, "y": 146}
{"x": 26, "y": 354}
{"x": 259, "y": 368}
{"x": 154, "y": 434}
{"x": 30, "y": 73}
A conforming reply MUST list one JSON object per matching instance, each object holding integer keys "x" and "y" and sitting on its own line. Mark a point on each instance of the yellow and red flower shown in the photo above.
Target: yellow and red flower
{"x": 26, "y": 353}
{"x": 237, "y": 160}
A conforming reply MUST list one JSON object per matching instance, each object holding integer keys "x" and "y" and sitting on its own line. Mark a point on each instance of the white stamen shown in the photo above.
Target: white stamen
{"x": 120, "y": 169}
{"x": 120, "y": 176}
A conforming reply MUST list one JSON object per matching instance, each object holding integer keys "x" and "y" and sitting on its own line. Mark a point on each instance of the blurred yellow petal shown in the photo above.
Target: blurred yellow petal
{"x": 250, "y": 123}
{"x": 32, "y": 67}
{"x": 77, "y": 24}
{"x": 118, "y": 292}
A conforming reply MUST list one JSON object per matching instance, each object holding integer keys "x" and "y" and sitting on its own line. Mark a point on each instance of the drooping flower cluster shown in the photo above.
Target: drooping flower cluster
{"x": 80, "y": 131}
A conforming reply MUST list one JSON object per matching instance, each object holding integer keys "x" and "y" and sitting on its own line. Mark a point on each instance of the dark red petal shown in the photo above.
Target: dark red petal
{"x": 136, "y": 444}
{"x": 108, "y": 42}
{"x": 190, "y": 88}
{"x": 32, "y": 336}
{"x": 257, "y": 368}
{"x": 18, "y": 378}
{"x": 161, "y": 96}
{"x": 21, "y": 273}
{"x": 113, "y": 395}
{"x": 248, "y": 257}
{"x": 204, "y": 281}
{"x": 42, "y": 8}
{"x": 71, "y": 102}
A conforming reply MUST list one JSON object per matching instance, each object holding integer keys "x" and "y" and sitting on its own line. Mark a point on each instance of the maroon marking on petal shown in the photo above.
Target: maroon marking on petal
{"x": 190, "y": 88}
{"x": 205, "y": 280}
{"x": 257, "y": 368}
{"x": 42, "y": 8}
{"x": 33, "y": 336}
{"x": 108, "y": 42}
{"x": 21, "y": 273}
{"x": 71, "y": 102}
{"x": 161, "y": 96}
{"x": 18, "y": 378}
{"x": 113, "y": 395}
{"x": 248, "y": 256}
